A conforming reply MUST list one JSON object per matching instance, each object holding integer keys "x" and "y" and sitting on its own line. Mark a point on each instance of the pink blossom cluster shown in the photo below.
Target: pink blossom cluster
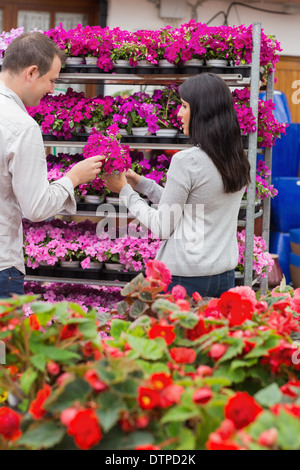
{"x": 7, "y": 37}
{"x": 56, "y": 241}
{"x": 262, "y": 261}
{"x": 269, "y": 129}
{"x": 101, "y": 298}
{"x": 109, "y": 145}
{"x": 66, "y": 114}
{"x": 177, "y": 45}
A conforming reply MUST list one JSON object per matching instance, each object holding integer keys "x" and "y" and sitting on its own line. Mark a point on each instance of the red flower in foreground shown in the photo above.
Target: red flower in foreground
{"x": 147, "y": 447}
{"x": 92, "y": 378}
{"x": 148, "y": 398}
{"x": 202, "y": 395}
{"x": 171, "y": 395}
{"x": 36, "y": 407}
{"x": 157, "y": 271}
{"x": 235, "y": 308}
{"x": 68, "y": 331}
{"x": 221, "y": 439}
{"x": 160, "y": 381}
{"x": 198, "y": 330}
{"x": 34, "y": 322}
{"x": 85, "y": 429}
{"x": 217, "y": 351}
{"x": 183, "y": 355}
{"x": 9, "y": 424}
{"x": 242, "y": 409}
{"x": 178, "y": 292}
{"x": 165, "y": 332}
{"x": 289, "y": 388}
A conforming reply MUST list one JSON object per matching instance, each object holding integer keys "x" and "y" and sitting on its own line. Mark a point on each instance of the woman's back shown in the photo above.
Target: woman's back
{"x": 204, "y": 240}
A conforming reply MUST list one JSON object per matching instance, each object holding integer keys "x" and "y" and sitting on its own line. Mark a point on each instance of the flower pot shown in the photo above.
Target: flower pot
{"x": 165, "y": 63}
{"x": 194, "y": 63}
{"x": 70, "y": 264}
{"x": 95, "y": 265}
{"x": 166, "y": 132}
{"x": 87, "y": 129}
{"x": 123, "y": 132}
{"x": 216, "y": 63}
{"x": 92, "y": 199}
{"x": 43, "y": 263}
{"x": 74, "y": 60}
{"x": 114, "y": 266}
{"x": 139, "y": 131}
{"x": 275, "y": 275}
{"x": 91, "y": 60}
{"x": 144, "y": 63}
{"x": 122, "y": 63}
{"x": 113, "y": 200}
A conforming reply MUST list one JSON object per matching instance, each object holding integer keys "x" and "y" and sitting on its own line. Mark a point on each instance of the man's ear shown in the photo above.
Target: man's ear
{"x": 32, "y": 72}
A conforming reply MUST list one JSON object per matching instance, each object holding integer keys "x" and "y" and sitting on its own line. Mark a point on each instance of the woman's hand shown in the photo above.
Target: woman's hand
{"x": 115, "y": 182}
{"x": 132, "y": 178}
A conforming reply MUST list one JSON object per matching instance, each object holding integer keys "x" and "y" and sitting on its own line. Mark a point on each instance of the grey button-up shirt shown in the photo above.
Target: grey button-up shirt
{"x": 24, "y": 188}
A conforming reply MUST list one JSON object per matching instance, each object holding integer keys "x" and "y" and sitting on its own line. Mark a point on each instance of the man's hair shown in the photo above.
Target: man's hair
{"x": 31, "y": 49}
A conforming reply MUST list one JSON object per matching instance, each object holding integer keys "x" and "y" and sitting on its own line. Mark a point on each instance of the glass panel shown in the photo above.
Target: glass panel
{"x": 70, "y": 20}
{"x": 1, "y": 21}
{"x": 34, "y": 20}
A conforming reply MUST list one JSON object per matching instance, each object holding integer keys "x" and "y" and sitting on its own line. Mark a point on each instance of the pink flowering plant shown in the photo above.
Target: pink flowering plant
{"x": 117, "y": 154}
{"x": 262, "y": 261}
{"x": 269, "y": 129}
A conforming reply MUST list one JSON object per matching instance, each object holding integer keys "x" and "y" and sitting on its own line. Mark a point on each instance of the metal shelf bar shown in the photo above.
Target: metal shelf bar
{"x": 252, "y": 151}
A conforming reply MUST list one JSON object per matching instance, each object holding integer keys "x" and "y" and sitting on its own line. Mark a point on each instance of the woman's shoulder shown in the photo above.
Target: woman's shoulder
{"x": 192, "y": 154}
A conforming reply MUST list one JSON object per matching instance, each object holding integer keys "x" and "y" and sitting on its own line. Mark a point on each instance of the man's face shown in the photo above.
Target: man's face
{"x": 42, "y": 85}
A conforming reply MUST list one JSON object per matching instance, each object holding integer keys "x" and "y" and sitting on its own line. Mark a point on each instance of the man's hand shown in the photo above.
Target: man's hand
{"x": 115, "y": 182}
{"x": 85, "y": 171}
{"x": 132, "y": 178}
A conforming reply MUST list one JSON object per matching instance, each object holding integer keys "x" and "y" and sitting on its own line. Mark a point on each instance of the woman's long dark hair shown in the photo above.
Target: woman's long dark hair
{"x": 214, "y": 127}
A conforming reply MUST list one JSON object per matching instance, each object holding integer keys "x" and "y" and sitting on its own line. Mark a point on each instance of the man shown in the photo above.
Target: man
{"x": 30, "y": 67}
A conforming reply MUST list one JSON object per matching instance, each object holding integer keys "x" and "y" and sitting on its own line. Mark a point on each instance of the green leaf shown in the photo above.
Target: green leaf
{"x": 234, "y": 376}
{"x": 128, "y": 388}
{"x": 118, "y": 327}
{"x": 237, "y": 363}
{"x": 288, "y": 432}
{"x": 108, "y": 418}
{"x": 138, "y": 308}
{"x": 264, "y": 421}
{"x": 180, "y": 413}
{"x": 118, "y": 440}
{"x": 103, "y": 318}
{"x": 269, "y": 396}
{"x": 89, "y": 329}
{"x": 27, "y": 379}
{"x": 62, "y": 398}
{"x": 61, "y": 312}
{"x": 43, "y": 436}
{"x": 235, "y": 348}
{"x": 138, "y": 281}
{"x": 145, "y": 296}
{"x": 122, "y": 307}
{"x": 44, "y": 312}
{"x": 39, "y": 361}
{"x": 51, "y": 352}
{"x": 153, "y": 368}
{"x": 187, "y": 440}
{"x": 164, "y": 306}
{"x": 187, "y": 319}
{"x": 152, "y": 349}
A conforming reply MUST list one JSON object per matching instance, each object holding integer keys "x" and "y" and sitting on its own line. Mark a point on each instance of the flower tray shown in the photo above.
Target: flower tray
{"x": 79, "y": 273}
{"x": 245, "y": 71}
{"x": 243, "y": 210}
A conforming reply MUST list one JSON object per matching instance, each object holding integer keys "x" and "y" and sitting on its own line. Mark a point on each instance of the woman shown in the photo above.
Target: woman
{"x": 197, "y": 210}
